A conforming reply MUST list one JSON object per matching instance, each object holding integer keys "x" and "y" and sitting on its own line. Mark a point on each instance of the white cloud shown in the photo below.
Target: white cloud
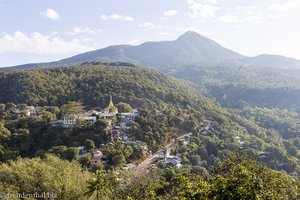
{"x": 87, "y": 30}
{"x": 230, "y": 19}
{"x": 285, "y": 6}
{"x": 104, "y": 17}
{"x": 202, "y": 8}
{"x": 147, "y": 25}
{"x": 51, "y": 14}
{"x": 163, "y": 33}
{"x": 116, "y": 17}
{"x": 274, "y": 17}
{"x": 37, "y": 43}
{"x": 170, "y": 13}
{"x": 249, "y": 10}
{"x": 214, "y": 2}
{"x": 252, "y": 18}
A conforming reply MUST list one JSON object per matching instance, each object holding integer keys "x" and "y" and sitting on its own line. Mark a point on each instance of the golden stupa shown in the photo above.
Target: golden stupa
{"x": 110, "y": 107}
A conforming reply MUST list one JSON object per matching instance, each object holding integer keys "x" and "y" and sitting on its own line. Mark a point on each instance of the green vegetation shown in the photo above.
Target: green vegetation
{"x": 286, "y": 122}
{"x": 168, "y": 108}
{"x": 236, "y": 86}
{"x": 234, "y": 178}
{"x": 63, "y": 178}
{"x": 91, "y": 85}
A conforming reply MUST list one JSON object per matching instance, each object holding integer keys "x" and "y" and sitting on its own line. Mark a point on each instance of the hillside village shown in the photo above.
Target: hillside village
{"x": 119, "y": 125}
{"x": 89, "y": 117}
{"x": 131, "y": 138}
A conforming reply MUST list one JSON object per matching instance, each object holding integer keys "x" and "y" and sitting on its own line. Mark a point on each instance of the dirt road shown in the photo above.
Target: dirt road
{"x": 141, "y": 169}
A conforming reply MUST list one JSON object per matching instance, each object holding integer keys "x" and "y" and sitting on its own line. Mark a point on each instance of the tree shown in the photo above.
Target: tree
{"x": 63, "y": 178}
{"x": 98, "y": 186}
{"x": 101, "y": 124}
{"x": 4, "y": 132}
{"x": 198, "y": 170}
{"x": 169, "y": 172}
{"x": 138, "y": 152}
{"x": 148, "y": 187}
{"x": 2, "y": 107}
{"x": 203, "y": 152}
{"x": 212, "y": 147}
{"x": 64, "y": 152}
{"x": 22, "y": 140}
{"x": 118, "y": 160}
{"x": 237, "y": 177}
{"x": 84, "y": 161}
{"x": 72, "y": 108}
{"x": 195, "y": 159}
{"x": 10, "y": 106}
{"x": 182, "y": 187}
{"x": 53, "y": 109}
{"x": 124, "y": 107}
{"x": 22, "y": 106}
{"x": 89, "y": 144}
{"x": 48, "y": 116}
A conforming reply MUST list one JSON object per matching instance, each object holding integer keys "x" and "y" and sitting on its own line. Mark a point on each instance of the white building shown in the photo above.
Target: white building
{"x": 106, "y": 115}
{"x": 69, "y": 121}
{"x": 130, "y": 116}
{"x": 89, "y": 120}
{"x": 32, "y": 110}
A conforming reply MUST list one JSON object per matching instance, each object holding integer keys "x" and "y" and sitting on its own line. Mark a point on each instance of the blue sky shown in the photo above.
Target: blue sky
{"x": 48, "y": 30}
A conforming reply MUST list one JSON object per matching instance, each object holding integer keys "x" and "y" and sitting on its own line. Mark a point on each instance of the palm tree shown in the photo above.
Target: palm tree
{"x": 98, "y": 185}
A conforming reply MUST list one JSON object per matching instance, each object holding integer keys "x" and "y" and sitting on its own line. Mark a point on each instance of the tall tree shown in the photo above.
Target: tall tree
{"x": 98, "y": 186}
{"x": 72, "y": 108}
{"x": 64, "y": 179}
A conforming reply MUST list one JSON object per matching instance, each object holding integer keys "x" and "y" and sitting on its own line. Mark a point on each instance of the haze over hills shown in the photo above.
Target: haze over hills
{"x": 189, "y": 49}
{"x": 270, "y": 81}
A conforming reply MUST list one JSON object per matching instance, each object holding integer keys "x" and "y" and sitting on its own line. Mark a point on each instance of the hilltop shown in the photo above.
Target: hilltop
{"x": 171, "y": 106}
{"x": 90, "y": 83}
{"x": 190, "y": 48}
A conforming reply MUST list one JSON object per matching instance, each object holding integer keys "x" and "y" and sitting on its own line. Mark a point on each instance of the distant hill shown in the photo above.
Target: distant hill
{"x": 189, "y": 49}
{"x": 182, "y": 104}
{"x": 274, "y": 61}
{"x": 265, "y": 80}
{"x": 91, "y": 83}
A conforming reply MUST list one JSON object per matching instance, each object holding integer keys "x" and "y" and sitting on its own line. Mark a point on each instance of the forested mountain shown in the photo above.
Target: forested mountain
{"x": 90, "y": 84}
{"x": 183, "y": 104}
{"x": 238, "y": 86}
{"x": 168, "y": 107}
{"x": 189, "y": 49}
{"x": 232, "y": 79}
{"x": 273, "y": 61}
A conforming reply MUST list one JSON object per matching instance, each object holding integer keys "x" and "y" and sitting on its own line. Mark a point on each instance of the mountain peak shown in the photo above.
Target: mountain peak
{"x": 190, "y": 35}
{"x": 191, "y": 48}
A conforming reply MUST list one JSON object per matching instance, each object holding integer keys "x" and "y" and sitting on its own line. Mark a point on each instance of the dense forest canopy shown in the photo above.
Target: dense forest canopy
{"x": 235, "y": 86}
{"x": 90, "y": 84}
{"x": 167, "y": 107}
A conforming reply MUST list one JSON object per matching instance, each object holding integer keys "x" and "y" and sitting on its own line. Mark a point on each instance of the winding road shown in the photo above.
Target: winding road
{"x": 141, "y": 169}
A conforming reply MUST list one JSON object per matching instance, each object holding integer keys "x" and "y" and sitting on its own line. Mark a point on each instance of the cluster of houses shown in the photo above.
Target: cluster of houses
{"x": 119, "y": 131}
{"x": 97, "y": 155}
{"x": 174, "y": 160}
{"x": 27, "y": 111}
{"x": 127, "y": 121}
{"x": 90, "y": 117}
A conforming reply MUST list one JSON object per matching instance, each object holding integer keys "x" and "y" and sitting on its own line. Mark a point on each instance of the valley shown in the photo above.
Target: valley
{"x": 200, "y": 114}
